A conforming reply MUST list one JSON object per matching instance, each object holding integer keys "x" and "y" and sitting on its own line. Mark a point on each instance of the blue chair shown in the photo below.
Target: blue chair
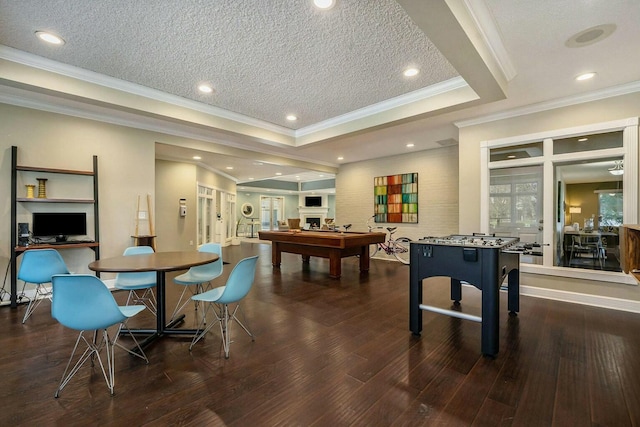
{"x": 237, "y": 287}
{"x": 198, "y": 279}
{"x": 37, "y": 266}
{"x": 84, "y": 303}
{"x": 139, "y": 285}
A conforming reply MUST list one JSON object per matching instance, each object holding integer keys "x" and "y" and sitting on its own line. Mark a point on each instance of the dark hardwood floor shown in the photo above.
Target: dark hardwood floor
{"x": 336, "y": 353}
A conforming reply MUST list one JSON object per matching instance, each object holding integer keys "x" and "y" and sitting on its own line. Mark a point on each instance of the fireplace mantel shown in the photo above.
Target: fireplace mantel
{"x": 314, "y": 212}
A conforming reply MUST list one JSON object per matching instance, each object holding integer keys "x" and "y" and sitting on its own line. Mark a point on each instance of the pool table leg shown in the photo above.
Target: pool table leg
{"x": 335, "y": 264}
{"x": 276, "y": 254}
{"x": 364, "y": 259}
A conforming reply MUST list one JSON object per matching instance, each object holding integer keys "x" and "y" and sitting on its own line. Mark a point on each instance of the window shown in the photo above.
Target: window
{"x": 517, "y": 201}
{"x": 610, "y": 208}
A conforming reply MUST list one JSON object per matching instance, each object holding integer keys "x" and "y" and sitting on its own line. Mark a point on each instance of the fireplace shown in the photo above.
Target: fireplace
{"x": 312, "y": 215}
{"x": 314, "y": 222}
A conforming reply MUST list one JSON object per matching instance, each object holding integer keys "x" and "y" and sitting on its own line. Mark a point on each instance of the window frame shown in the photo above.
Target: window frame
{"x": 628, "y": 152}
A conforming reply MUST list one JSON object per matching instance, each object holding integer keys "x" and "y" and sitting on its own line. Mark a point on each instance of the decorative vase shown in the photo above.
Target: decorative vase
{"x": 42, "y": 188}
{"x": 30, "y": 190}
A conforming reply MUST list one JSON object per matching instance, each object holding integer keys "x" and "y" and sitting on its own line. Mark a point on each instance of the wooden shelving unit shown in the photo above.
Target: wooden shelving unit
{"x": 630, "y": 250}
{"x": 17, "y": 250}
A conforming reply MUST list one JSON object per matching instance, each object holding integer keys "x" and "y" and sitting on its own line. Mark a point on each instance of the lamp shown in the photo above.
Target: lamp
{"x": 617, "y": 169}
{"x": 574, "y": 210}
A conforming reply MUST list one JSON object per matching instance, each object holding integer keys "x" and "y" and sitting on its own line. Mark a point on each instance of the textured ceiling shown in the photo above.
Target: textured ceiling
{"x": 264, "y": 59}
{"x": 339, "y": 70}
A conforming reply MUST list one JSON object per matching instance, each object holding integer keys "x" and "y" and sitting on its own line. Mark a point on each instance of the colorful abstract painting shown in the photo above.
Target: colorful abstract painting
{"x": 396, "y": 198}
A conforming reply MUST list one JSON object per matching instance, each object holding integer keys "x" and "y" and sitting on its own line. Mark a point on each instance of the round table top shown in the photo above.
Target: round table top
{"x": 157, "y": 261}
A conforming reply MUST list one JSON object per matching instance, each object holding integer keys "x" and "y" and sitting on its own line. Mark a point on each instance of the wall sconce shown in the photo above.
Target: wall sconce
{"x": 183, "y": 207}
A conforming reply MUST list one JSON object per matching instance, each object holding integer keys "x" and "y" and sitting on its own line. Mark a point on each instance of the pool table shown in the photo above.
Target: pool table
{"x": 334, "y": 245}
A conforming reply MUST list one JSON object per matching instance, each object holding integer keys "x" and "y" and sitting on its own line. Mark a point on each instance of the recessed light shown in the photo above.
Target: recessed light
{"x": 197, "y": 158}
{"x": 340, "y": 158}
{"x": 278, "y": 173}
{"x": 251, "y": 179}
{"x": 585, "y": 76}
{"x": 324, "y": 4}
{"x": 410, "y": 145}
{"x": 205, "y": 88}
{"x": 583, "y": 139}
{"x": 410, "y": 72}
{"x": 229, "y": 168}
{"x": 50, "y": 37}
{"x": 292, "y": 118}
{"x": 511, "y": 156}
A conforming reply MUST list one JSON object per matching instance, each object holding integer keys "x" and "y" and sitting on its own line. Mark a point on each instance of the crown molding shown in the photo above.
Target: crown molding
{"x": 91, "y": 77}
{"x": 388, "y": 105}
{"x": 486, "y": 26}
{"x": 611, "y": 92}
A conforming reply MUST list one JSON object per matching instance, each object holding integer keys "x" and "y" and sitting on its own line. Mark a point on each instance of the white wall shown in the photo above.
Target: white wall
{"x": 437, "y": 191}
{"x": 125, "y": 169}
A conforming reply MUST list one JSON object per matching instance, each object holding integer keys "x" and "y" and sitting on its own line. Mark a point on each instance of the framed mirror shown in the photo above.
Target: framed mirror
{"x": 247, "y": 210}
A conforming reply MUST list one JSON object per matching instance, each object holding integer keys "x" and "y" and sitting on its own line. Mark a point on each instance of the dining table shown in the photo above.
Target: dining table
{"x": 161, "y": 263}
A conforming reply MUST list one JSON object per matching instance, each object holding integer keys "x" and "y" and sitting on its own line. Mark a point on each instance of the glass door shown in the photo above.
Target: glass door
{"x": 205, "y": 221}
{"x": 516, "y": 206}
{"x": 271, "y": 209}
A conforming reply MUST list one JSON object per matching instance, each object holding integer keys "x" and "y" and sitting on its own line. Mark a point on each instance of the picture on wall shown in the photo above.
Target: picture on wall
{"x": 396, "y": 198}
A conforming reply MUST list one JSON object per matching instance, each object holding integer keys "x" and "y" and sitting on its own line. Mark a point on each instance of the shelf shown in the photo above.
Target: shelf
{"x": 41, "y": 200}
{"x": 51, "y": 170}
{"x": 93, "y": 202}
{"x": 68, "y": 245}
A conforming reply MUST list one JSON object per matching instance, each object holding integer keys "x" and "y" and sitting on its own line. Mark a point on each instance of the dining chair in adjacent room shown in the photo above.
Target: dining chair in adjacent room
{"x": 198, "y": 279}
{"x": 84, "y": 303}
{"x": 218, "y": 299}
{"x": 140, "y": 285}
{"x": 37, "y": 267}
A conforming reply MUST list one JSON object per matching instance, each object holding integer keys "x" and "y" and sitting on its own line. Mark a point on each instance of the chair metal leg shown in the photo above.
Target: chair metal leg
{"x": 92, "y": 352}
{"x": 224, "y": 319}
{"x": 199, "y": 288}
{"x": 148, "y": 299}
{"x": 202, "y": 330}
{"x": 35, "y": 301}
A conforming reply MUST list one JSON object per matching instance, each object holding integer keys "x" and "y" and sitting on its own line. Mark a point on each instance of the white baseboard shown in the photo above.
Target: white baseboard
{"x": 585, "y": 299}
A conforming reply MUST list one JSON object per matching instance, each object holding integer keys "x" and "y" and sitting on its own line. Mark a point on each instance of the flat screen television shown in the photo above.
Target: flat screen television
{"x": 59, "y": 224}
{"x": 313, "y": 201}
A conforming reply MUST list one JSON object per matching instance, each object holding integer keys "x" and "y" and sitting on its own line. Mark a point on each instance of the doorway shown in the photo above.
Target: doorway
{"x": 271, "y": 209}
{"x": 593, "y": 212}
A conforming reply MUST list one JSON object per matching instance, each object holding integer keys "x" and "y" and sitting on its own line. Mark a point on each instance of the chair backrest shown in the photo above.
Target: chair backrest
{"x": 240, "y": 281}
{"x": 212, "y": 269}
{"x": 137, "y": 250}
{"x": 83, "y": 302}
{"x": 38, "y": 265}
{"x": 130, "y": 279}
{"x": 294, "y": 223}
